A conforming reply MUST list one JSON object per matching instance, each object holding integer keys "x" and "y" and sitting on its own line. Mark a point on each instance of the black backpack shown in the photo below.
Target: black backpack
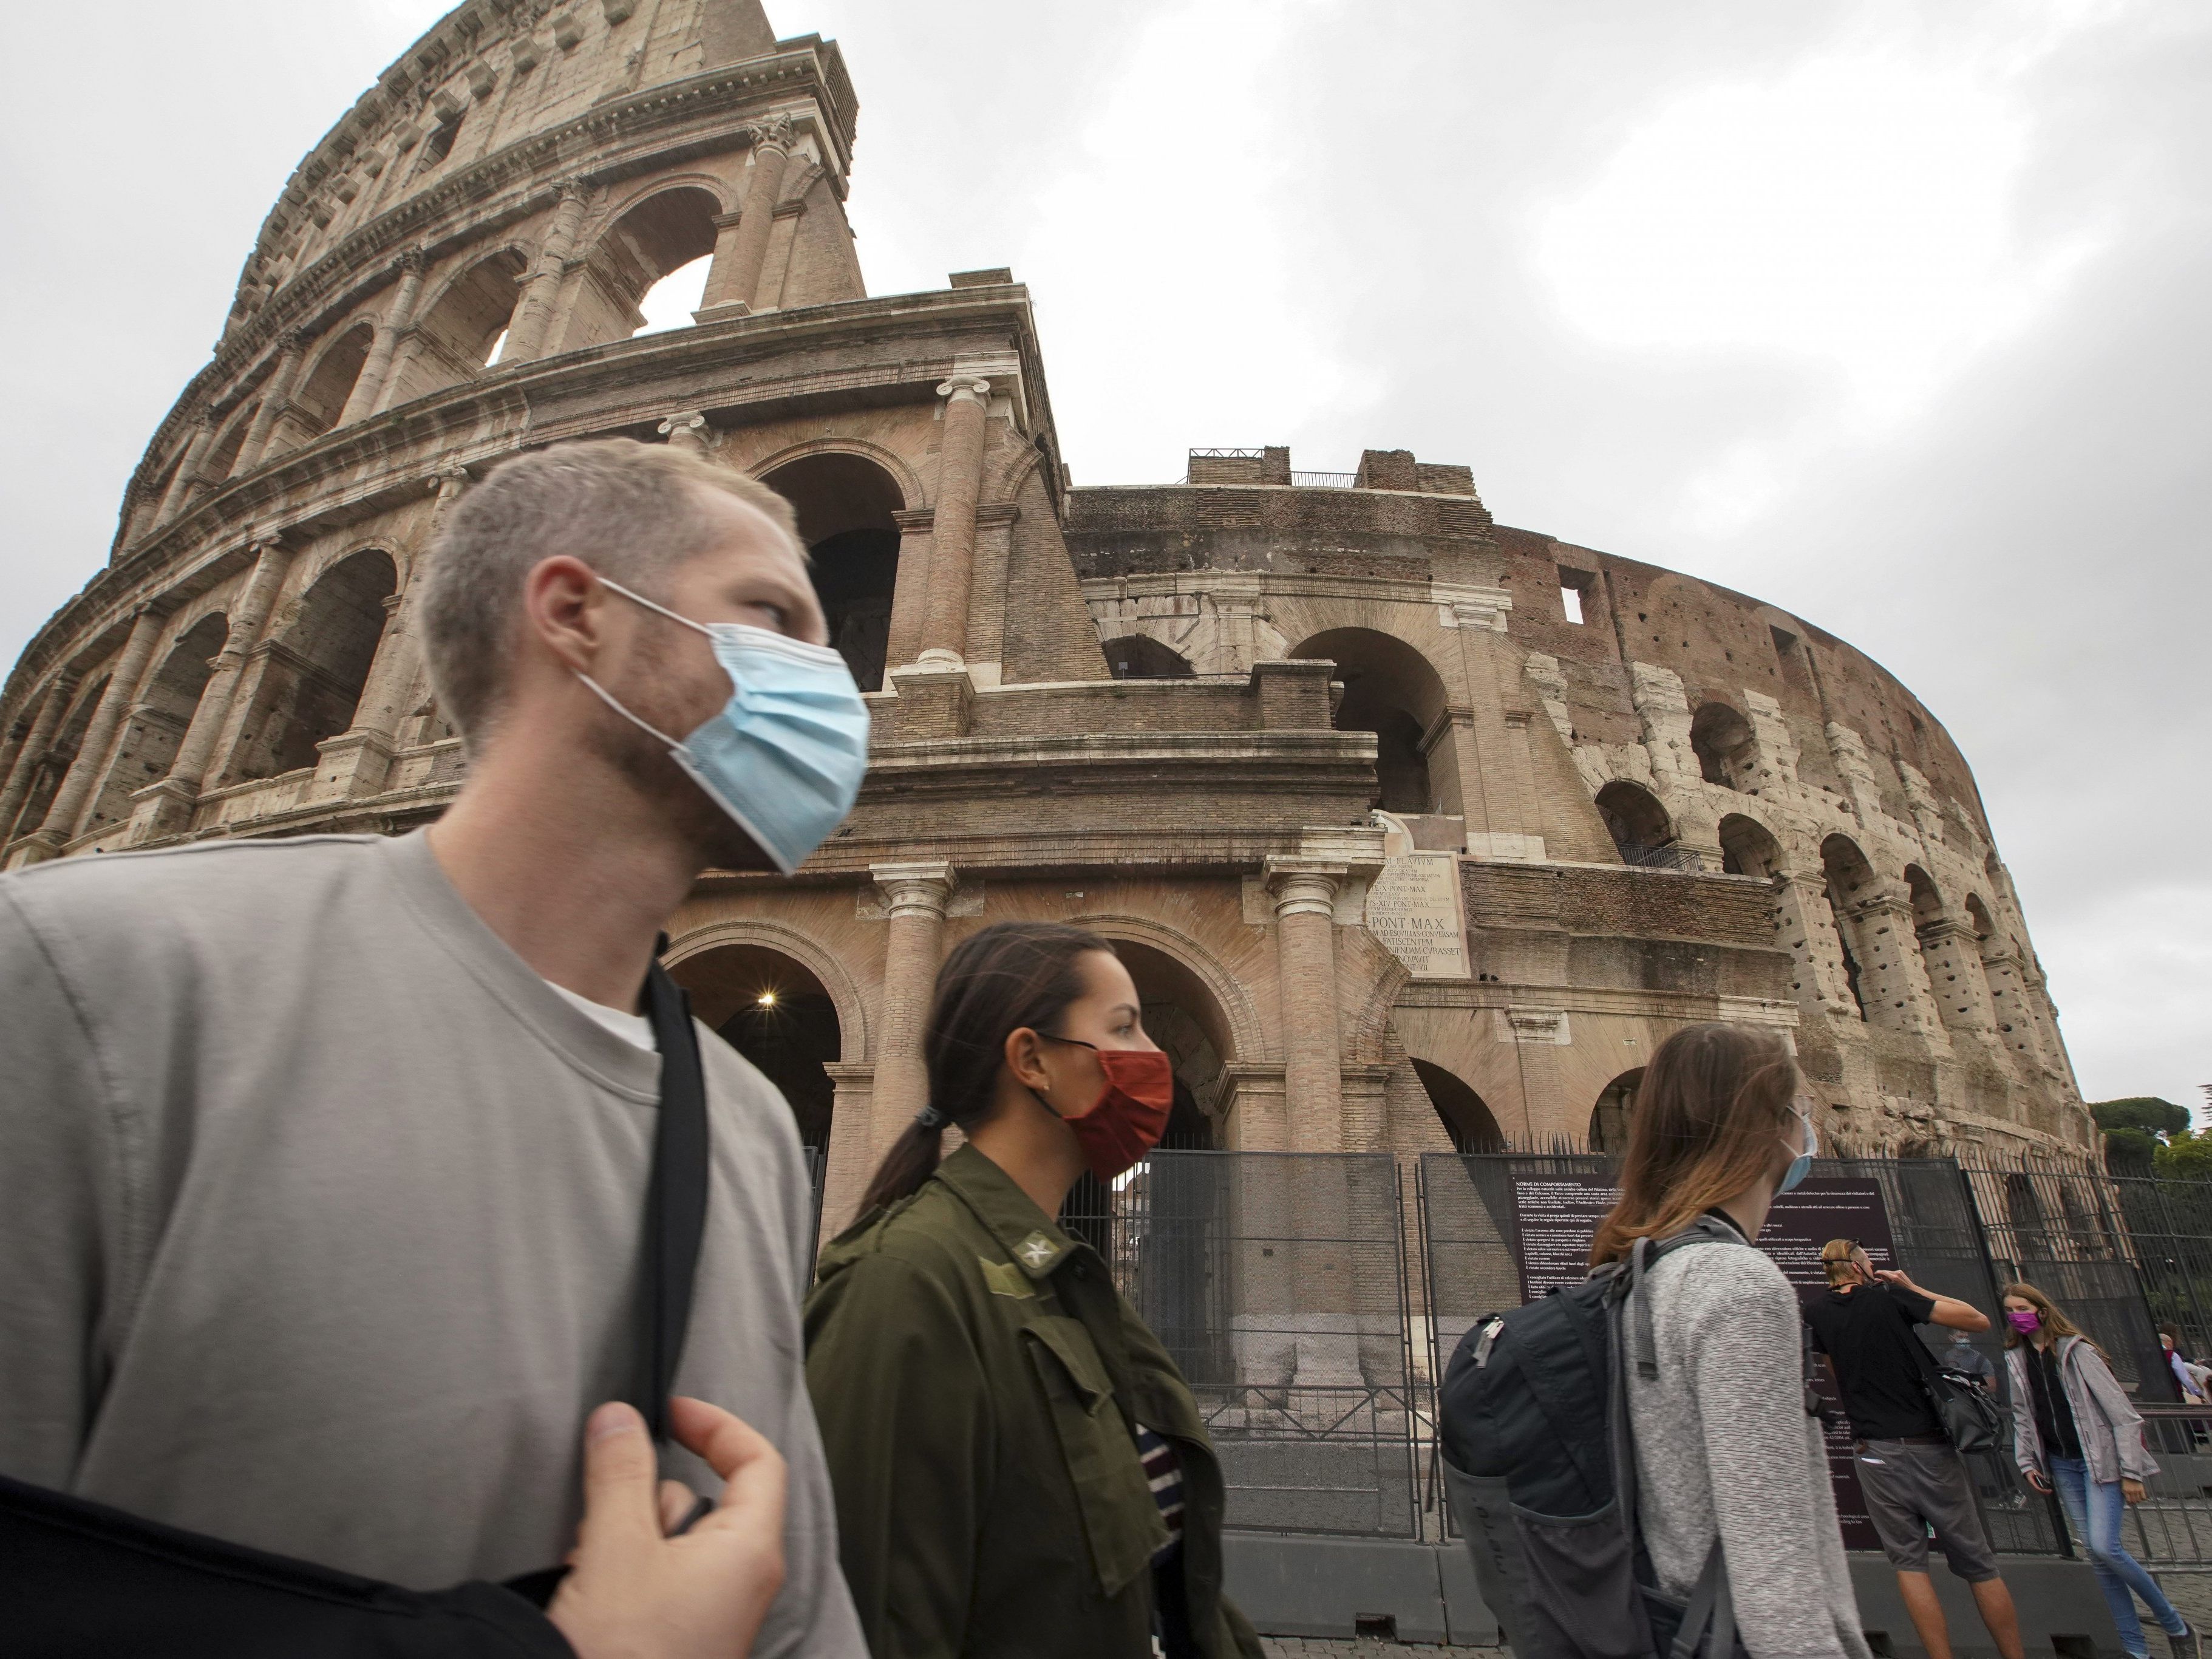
{"x": 1541, "y": 1472}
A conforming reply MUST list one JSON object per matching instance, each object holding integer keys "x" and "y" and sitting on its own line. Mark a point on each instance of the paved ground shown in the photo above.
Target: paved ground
{"x": 1307, "y": 1647}
{"x": 2191, "y": 1596}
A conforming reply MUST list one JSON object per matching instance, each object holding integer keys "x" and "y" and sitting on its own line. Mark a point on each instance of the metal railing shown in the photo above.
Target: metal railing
{"x": 1657, "y": 857}
{"x": 1325, "y": 480}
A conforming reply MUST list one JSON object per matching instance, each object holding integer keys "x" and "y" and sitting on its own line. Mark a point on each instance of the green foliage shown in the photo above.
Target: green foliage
{"x": 2136, "y": 1130}
{"x": 2186, "y": 1155}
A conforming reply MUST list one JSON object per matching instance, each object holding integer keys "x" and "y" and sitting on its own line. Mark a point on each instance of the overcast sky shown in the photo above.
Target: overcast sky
{"x": 1897, "y": 315}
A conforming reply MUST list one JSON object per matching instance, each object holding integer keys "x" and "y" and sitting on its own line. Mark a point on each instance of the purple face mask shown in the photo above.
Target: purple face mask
{"x": 2026, "y": 1320}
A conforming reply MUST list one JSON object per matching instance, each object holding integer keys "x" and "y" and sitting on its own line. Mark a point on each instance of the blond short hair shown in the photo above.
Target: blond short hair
{"x": 631, "y": 511}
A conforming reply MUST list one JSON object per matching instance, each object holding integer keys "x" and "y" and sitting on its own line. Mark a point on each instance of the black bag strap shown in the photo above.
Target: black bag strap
{"x": 675, "y": 1195}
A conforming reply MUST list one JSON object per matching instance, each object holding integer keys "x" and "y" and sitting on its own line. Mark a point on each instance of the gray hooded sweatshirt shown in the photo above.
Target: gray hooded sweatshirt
{"x": 2110, "y": 1427}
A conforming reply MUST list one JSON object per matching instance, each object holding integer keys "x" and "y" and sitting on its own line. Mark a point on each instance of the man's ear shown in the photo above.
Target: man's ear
{"x": 564, "y": 610}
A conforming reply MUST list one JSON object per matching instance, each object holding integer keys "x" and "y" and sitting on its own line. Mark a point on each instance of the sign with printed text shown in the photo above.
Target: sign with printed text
{"x": 1557, "y": 1216}
{"x": 1414, "y": 908}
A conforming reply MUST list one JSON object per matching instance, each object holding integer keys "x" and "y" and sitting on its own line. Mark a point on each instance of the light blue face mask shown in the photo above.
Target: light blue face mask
{"x": 785, "y": 755}
{"x": 1802, "y": 1165}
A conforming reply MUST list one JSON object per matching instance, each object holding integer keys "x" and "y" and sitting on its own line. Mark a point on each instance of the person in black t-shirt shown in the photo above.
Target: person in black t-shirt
{"x": 1912, "y": 1479}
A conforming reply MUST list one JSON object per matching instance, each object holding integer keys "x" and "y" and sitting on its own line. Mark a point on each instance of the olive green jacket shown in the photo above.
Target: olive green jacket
{"x": 976, "y": 1376}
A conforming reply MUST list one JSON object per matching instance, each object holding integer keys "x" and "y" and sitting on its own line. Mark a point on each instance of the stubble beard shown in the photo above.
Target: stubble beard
{"x": 711, "y": 837}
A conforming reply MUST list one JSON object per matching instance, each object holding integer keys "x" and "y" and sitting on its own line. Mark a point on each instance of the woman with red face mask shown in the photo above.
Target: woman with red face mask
{"x": 1020, "y": 1468}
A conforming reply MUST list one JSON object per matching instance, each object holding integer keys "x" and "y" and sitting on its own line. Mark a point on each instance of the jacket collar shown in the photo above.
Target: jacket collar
{"x": 1010, "y": 1215}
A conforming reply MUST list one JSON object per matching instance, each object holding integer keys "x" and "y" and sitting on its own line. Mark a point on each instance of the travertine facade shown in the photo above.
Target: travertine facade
{"x": 1169, "y": 713}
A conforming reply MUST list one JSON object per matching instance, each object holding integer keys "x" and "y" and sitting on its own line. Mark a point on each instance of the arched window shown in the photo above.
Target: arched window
{"x": 1610, "y": 1117}
{"x": 1850, "y": 882}
{"x": 1471, "y": 1124}
{"x": 845, "y": 504}
{"x": 222, "y": 454}
{"x": 1140, "y": 657}
{"x": 312, "y": 684}
{"x": 1642, "y": 832}
{"x": 1747, "y": 848}
{"x": 1727, "y": 753}
{"x": 456, "y": 341}
{"x": 157, "y": 725}
{"x": 322, "y": 395}
{"x": 1394, "y": 692}
{"x": 668, "y": 238}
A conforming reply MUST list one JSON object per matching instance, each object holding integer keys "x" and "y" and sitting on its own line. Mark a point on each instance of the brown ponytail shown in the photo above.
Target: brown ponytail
{"x": 1010, "y": 975}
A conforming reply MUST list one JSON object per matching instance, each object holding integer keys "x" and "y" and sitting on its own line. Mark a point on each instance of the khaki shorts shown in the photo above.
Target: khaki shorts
{"x": 1911, "y": 1485}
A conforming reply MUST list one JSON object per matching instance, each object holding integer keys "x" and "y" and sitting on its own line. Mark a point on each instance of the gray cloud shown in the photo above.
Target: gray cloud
{"x": 1320, "y": 223}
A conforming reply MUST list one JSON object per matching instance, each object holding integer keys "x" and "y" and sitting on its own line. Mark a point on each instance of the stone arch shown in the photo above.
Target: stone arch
{"x": 1639, "y": 824}
{"x": 1610, "y": 1117}
{"x": 1748, "y": 847}
{"x": 157, "y": 725}
{"x": 454, "y": 340}
{"x": 847, "y": 505}
{"x": 60, "y": 755}
{"x": 775, "y": 1011}
{"x": 662, "y": 230}
{"x": 1371, "y": 1038}
{"x": 1725, "y": 746}
{"x": 911, "y": 492}
{"x": 1850, "y": 882}
{"x": 314, "y": 671}
{"x": 761, "y": 935}
{"x": 1009, "y": 468}
{"x": 1394, "y": 692}
{"x": 222, "y": 453}
{"x": 1140, "y": 657}
{"x": 1467, "y": 1118}
{"x": 326, "y": 385}
{"x": 1240, "y": 1024}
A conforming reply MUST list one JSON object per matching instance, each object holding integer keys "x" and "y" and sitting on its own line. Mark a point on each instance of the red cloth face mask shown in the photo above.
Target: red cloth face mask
{"x": 1130, "y": 1115}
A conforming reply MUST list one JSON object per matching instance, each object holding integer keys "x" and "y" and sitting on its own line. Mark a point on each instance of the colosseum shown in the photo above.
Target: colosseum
{"x": 1418, "y": 831}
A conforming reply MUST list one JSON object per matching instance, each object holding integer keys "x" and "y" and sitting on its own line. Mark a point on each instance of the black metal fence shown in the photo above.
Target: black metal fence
{"x": 1312, "y": 1302}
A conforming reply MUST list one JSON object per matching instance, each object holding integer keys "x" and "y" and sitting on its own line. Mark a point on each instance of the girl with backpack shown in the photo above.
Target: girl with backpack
{"x": 1725, "y": 1450}
{"x": 1019, "y": 1468}
{"x": 2074, "y": 1429}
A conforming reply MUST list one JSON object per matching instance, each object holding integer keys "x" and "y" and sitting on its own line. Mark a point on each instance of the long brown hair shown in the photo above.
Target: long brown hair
{"x": 1010, "y": 975}
{"x": 2054, "y": 1319}
{"x": 1713, "y": 1102}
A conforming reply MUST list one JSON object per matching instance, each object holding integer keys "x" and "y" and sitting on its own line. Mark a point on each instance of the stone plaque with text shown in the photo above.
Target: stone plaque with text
{"x": 1414, "y": 907}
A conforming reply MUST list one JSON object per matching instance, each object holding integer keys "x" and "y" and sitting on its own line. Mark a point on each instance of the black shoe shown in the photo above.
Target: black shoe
{"x": 2188, "y": 1645}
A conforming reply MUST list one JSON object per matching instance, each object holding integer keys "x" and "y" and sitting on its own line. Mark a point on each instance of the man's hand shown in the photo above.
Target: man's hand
{"x": 1896, "y": 1276}
{"x": 634, "y": 1593}
{"x": 2132, "y": 1490}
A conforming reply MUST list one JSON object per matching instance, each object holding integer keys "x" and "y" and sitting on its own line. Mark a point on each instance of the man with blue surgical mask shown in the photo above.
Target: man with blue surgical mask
{"x": 321, "y": 1213}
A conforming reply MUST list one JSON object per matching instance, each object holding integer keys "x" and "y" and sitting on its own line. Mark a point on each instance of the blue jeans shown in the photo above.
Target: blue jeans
{"x": 2093, "y": 1509}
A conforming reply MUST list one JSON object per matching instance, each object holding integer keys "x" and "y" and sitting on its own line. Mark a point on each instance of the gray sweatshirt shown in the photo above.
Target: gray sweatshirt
{"x": 320, "y": 1215}
{"x": 2105, "y": 1420}
{"x": 1722, "y": 1444}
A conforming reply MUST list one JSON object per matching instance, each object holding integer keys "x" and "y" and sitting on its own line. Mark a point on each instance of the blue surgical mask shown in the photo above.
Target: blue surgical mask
{"x": 1802, "y": 1165}
{"x": 785, "y": 756}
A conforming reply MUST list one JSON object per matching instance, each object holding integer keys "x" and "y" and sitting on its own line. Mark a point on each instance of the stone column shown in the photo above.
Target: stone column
{"x": 952, "y": 533}
{"x": 1954, "y": 957}
{"x": 533, "y": 314}
{"x": 187, "y": 474}
{"x": 1892, "y": 980}
{"x": 916, "y": 896}
{"x": 166, "y": 807}
{"x": 910, "y": 587}
{"x": 1304, "y": 891}
{"x": 1808, "y": 931}
{"x": 853, "y": 1155}
{"x": 741, "y": 246}
{"x": 358, "y": 760}
{"x": 86, "y": 771}
{"x": 398, "y": 318}
{"x": 33, "y": 753}
{"x": 274, "y": 394}
{"x": 686, "y": 430}
{"x": 2017, "y": 1027}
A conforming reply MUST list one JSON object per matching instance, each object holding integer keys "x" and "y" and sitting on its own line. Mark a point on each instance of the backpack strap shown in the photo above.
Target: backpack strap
{"x": 1710, "y": 1605}
{"x": 675, "y": 1195}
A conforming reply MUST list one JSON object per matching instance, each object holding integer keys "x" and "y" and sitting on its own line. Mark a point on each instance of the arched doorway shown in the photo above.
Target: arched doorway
{"x": 311, "y": 686}
{"x": 1722, "y": 740}
{"x": 322, "y": 395}
{"x": 1642, "y": 832}
{"x": 1470, "y": 1123}
{"x": 845, "y": 504}
{"x": 1850, "y": 879}
{"x": 669, "y": 231}
{"x": 460, "y": 336}
{"x": 1140, "y": 657}
{"x": 1394, "y": 692}
{"x": 157, "y": 725}
{"x": 774, "y": 1010}
{"x": 1610, "y": 1117}
{"x": 1748, "y": 849}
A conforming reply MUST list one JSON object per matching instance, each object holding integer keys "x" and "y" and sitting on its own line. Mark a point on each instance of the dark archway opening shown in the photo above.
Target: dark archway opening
{"x": 312, "y": 685}
{"x": 1394, "y": 692}
{"x": 1642, "y": 832}
{"x": 1722, "y": 740}
{"x": 157, "y": 725}
{"x": 1848, "y": 879}
{"x": 1611, "y": 1117}
{"x": 322, "y": 395}
{"x": 1471, "y": 1125}
{"x": 61, "y": 755}
{"x": 1139, "y": 657}
{"x": 1747, "y": 848}
{"x": 845, "y": 507}
{"x": 775, "y": 1012}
